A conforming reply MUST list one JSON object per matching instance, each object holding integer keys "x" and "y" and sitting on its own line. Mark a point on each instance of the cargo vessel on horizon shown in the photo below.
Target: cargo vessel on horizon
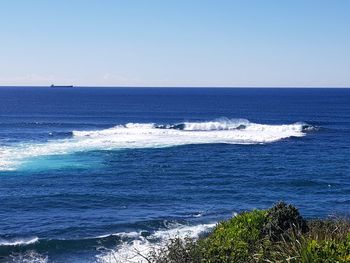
{"x": 61, "y": 86}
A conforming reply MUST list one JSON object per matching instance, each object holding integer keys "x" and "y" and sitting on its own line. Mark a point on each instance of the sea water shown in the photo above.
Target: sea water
{"x": 102, "y": 174}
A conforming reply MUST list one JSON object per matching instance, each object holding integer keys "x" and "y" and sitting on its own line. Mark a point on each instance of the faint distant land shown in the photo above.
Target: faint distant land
{"x": 61, "y": 86}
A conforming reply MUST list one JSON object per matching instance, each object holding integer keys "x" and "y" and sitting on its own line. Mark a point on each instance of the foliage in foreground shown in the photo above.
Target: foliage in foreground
{"x": 279, "y": 234}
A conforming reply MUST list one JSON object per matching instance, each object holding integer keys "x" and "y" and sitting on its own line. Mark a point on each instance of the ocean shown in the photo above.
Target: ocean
{"x": 95, "y": 174}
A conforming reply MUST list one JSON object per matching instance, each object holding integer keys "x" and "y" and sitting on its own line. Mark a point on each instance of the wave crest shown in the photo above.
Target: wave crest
{"x": 215, "y": 125}
{"x": 18, "y": 242}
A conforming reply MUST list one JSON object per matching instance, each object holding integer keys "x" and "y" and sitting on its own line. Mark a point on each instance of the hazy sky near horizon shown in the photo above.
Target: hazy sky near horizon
{"x": 175, "y": 43}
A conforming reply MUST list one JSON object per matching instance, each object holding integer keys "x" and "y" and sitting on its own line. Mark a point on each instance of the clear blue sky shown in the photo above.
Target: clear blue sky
{"x": 175, "y": 42}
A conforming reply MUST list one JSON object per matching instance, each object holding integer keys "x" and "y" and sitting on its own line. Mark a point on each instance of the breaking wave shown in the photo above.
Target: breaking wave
{"x": 151, "y": 135}
{"x": 137, "y": 249}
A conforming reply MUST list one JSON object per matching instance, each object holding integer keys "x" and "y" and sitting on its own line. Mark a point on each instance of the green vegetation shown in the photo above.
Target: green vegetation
{"x": 279, "y": 234}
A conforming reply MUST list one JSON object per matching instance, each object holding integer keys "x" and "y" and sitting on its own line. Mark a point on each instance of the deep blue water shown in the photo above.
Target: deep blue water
{"x": 61, "y": 190}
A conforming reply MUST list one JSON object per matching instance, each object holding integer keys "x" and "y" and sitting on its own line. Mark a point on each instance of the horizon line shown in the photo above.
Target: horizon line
{"x": 178, "y": 87}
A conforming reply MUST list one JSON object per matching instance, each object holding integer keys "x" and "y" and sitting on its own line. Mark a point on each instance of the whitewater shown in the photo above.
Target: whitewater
{"x": 140, "y": 246}
{"x": 151, "y": 135}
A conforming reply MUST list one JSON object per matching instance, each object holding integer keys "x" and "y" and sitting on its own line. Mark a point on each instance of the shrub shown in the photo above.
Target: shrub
{"x": 279, "y": 234}
{"x": 281, "y": 218}
{"x": 235, "y": 240}
{"x": 327, "y": 251}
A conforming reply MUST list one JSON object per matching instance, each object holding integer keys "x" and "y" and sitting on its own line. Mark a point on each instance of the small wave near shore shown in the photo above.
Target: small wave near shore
{"x": 136, "y": 250}
{"x": 116, "y": 247}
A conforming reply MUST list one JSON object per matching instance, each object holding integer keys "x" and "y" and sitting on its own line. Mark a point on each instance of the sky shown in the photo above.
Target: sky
{"x": 160, "y": 43}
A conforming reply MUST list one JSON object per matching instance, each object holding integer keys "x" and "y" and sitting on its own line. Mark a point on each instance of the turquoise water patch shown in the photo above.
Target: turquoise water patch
{"x": 62, "y": 162}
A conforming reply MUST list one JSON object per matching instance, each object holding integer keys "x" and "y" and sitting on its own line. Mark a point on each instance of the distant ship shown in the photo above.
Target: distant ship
{"x": 61, "y": 86}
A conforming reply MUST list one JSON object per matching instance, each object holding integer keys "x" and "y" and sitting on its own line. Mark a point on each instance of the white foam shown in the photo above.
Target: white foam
{"x": 135, "y": 251}
{"x": 149, "y": 135}
{"x": 19, "y": 242}
{"x": 29, "y": 257}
